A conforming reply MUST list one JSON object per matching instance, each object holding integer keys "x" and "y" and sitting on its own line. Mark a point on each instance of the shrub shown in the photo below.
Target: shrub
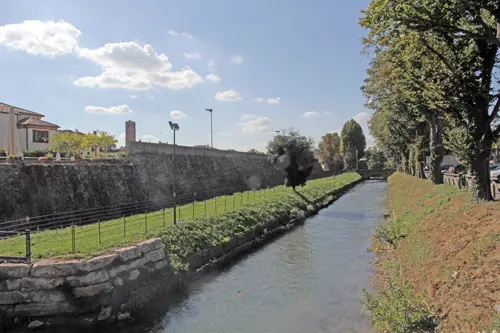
{"x": 398, "y": 310}
{"x": 391, "y": 232}
{"x": 13, "y": 157}
{"x": 3, "y": 152}
{"x": 34, "y": 153}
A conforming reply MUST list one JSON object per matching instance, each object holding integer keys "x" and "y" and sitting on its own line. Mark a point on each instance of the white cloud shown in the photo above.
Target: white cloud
{"x": 237, "y": 59}
{"x": 193, "y": 55}
{"x": 310, "y": 114}
{"x": 128, "y": 65}
{"x": 177, "y": 114}
{"x": 228, "y": 96}
{"x": 120, "y": 109}
{"x": 121, "y": 140}
{"x": 47, "y": 38}
{"x": 274, "y": 100}
{"x": 251, "y": 123}
{"x": 213, "y": 77}
{"x": 149, "y": 138}
{"x": 211, "y": 65}
{"x": 134, "y": 96}
{"x": 177, "y": 33}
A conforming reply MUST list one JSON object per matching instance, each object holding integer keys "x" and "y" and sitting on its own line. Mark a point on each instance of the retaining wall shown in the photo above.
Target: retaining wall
{"x": 146, "y": 176}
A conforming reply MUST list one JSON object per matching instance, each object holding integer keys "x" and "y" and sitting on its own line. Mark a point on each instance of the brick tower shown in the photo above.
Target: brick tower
{"x": 129, "y": 132}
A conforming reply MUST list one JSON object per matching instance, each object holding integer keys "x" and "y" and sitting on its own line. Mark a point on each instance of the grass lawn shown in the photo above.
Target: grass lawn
{"x": 96, "y": 238}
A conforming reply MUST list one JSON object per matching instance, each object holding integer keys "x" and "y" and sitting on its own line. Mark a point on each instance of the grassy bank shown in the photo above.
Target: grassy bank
{"x": 439, "y": 245}
{"x": 207, "y": 222}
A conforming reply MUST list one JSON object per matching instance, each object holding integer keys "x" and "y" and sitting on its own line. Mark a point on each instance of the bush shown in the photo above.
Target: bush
{"x": 3, "y": 152}
{"x": 397, "y": 310}
{"x": 391, "y": 232}
{"x": 34, "y": 153}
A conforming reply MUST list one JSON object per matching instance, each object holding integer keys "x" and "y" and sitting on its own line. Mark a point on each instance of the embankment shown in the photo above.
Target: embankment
{"x": 145, "y": 176}
{"x": 111, "y": 286}
{"x": 447, "y": 248}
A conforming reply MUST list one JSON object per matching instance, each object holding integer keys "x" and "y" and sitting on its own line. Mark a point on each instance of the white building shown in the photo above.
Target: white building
{"x": 34, "y": 133}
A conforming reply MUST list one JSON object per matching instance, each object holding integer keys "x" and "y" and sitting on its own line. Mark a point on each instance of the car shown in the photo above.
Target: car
{"x": 445, "y": 168}
{"x": 495, "y": 172}
{"x": 457, "y": 168}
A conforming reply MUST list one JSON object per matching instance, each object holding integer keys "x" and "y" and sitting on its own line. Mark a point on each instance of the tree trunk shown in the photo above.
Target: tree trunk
{"x": 435, "y": 147}
{"x": 480, "y": 179}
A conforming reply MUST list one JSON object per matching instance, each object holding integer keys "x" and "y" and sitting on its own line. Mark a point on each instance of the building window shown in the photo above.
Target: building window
{"x": 40, "y": 136}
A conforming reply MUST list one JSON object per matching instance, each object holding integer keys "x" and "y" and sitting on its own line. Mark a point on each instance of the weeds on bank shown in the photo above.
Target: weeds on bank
{"x": 398, "y": 310}
{"x": 391, "y": 232}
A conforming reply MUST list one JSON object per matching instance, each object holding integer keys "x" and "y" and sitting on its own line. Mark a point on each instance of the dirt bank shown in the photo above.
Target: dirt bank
{"x": 448, "y": 248}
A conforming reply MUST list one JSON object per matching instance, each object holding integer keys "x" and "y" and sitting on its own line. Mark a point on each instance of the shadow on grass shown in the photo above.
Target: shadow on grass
{"x": 306, "y": 199}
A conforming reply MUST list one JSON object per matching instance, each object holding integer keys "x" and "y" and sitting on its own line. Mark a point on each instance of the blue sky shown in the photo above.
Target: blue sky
{"x": 261, "y": 65}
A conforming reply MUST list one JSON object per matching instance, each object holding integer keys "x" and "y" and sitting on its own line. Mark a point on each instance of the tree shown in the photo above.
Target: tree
{"x": 352, "y": 143}
{"x": 375, "y": 158}
{"x": 294, "y": 154}
{"x": 254, "y": 151}
{"x": 106, "y": 141}
{"x": 90, "y": 142}
{"x": 66, "y": 142}
{"x": 466, "y": 32}
{"x": 329, "y": 147}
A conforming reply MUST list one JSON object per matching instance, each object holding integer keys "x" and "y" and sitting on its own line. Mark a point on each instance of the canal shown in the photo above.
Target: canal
{"x": 308, "y": 280}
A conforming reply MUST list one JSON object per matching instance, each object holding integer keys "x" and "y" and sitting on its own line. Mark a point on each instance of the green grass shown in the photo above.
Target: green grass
{"x": 96, "y": 238}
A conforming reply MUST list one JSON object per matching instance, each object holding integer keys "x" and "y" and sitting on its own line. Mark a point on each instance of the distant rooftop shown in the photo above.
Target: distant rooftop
{"x": 36, "y": 122}
{"x": 4, "y": 108}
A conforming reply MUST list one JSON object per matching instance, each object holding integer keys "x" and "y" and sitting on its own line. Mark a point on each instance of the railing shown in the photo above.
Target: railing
{"x": 111, "y": 225}
{"x": 465, "y": 181}
{"x": 35, "y": 160}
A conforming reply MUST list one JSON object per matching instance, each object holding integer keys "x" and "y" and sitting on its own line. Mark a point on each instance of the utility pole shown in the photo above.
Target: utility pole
{"x": 174, "y": 127}
{"x": 211, "y": 128}
{"x": 357, "y": 166}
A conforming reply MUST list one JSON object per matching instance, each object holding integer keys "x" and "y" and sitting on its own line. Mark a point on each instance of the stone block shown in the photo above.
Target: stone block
{"x": 113, "y": 272}
{"x": 161, "y": 264}
{"x": 100, "y": 262}
{"x": 88, "y": 279}
{"x": 134, "y": 275}
{"x": 12, "y": 284}
{"x": 14, "y": 270}
{"x": 57, "y": 269}
{"x": 150, "y": 245}
{"x": 118, "y": 282}
{"x": 12, "y": 297}
{"x": 29, "y": 283}
{"x": 139, "y": 263}
{"x": 89, "y": 291}
{"x": 43, "y": 309}
{"x": 155, "y": 255}
{"x": 129, "y": 253}
{"x": 45, "y": 296}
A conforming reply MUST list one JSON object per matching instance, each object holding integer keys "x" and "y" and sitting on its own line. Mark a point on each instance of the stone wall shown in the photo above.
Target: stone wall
{"x": 146, "y": 176}
{"x": 55, "y": 287}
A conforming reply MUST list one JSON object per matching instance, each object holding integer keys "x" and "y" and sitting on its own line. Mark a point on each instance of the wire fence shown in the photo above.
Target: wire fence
{"x": 85, "y": 231}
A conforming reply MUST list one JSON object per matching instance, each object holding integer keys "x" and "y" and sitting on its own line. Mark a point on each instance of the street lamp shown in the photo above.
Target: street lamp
{"x": 211, "y": 128}
{"x": 174, "y": 127}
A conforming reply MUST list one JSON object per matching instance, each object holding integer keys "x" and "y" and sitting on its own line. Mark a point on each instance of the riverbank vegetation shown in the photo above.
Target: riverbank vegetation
{"x": 205, "y": 222}
{"x": 447, "y": 247}
{"x": 432, "y": 84}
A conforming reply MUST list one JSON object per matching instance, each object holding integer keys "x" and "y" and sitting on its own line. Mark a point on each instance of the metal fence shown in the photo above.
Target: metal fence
{"x": 464, "y": 181}
{"x": 101, "y": 227}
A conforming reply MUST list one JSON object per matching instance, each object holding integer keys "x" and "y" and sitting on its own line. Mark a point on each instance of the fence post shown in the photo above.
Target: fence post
{"x": 194, "y": 201}
{"x": 124, "y": 227}
{"x": 145, "y": 223}
{"x": 28, "y": 245}
{"x": 73, "y": 239}
{"x": 99, "y": 230}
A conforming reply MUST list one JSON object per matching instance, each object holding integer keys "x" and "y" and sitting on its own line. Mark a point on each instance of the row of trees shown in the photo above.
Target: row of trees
{"x": 432, "y": 83}
{"x": 73, "y": 143}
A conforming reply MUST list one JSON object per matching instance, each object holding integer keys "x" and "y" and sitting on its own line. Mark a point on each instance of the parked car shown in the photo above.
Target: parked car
{"x": 445, "y": 168}
{"x": 495, "y": 172}
{"x": 457, "y": 168}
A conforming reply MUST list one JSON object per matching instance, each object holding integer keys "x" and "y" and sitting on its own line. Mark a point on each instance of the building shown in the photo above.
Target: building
{"x": 33, "y": 132}
{"x": 130, "y": 135}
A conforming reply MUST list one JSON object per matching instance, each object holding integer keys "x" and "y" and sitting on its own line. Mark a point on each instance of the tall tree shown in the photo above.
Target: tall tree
{"x": 468, "y": 31}
{"x": 294, "y": 154}
{"x": 352, "y": 143}
{"x": 329, "y": 147}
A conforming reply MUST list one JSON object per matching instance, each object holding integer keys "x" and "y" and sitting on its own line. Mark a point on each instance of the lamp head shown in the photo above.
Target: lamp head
{"x": 209, "y": 110}
{"x": 173, "y": 126}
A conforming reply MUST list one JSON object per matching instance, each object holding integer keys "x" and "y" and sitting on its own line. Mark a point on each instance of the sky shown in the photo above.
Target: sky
{"x": 261, "y": 65}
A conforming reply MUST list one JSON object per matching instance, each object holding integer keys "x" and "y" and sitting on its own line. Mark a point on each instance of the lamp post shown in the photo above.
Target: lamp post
{"x": 174, "y": 127}
{"x": 211, "y": 128}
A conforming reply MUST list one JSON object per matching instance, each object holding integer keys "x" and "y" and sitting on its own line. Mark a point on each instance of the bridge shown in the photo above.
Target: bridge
{"x": 375, "y": 174}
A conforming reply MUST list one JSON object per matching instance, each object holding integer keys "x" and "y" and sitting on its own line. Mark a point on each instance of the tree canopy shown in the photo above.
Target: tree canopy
{"x": 352, "y": 143}
{"x": 294, "y": 154}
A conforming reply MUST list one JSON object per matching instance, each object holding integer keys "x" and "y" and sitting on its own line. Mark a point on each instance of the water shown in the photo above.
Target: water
{"x": 309, "y": 280}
